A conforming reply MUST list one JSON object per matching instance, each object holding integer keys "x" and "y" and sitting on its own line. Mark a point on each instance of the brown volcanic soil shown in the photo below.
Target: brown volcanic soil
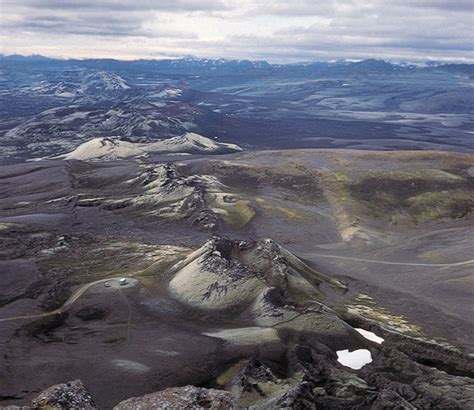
{"x": 395, "y": 238}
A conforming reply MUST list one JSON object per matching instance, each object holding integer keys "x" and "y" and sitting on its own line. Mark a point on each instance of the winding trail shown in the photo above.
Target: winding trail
{"x": 74, "y": 297}
{"x": 129, "y": 318}
{"x": 439, "y": 265}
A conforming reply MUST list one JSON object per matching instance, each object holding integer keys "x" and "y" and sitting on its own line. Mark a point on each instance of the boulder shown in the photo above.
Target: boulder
{"x": 70, "y": 395}
{"x": 187, "y": 397}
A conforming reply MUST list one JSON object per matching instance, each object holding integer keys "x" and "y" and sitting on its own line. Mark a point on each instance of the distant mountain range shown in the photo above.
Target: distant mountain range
{"x": 204, "y": 66}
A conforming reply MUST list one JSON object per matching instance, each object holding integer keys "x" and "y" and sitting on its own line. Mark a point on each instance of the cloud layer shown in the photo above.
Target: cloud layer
{"x": 281, "y": 31}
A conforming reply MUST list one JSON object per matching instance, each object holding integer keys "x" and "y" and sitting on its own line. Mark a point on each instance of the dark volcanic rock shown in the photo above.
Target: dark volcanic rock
{"x": 420, "y": 385}
{"x": 188, "y": 397}
{"x": 252, "y": 383}
{"x": 387, "y": 399}
{"x": 393, "y": 380}
{"x": 299, "y": 397}
{"x": 206, "y": 220}
{"x": 70, "y": 395}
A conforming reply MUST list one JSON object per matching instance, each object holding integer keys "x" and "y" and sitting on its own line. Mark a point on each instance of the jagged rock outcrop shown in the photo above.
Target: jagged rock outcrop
{"x": 167, "y": 192}
{"x": 393, "y": 380}
{"x": 265, "y": 283}
{"x": 225, "y": 273}
{"x": 70, "y": 395}
{"x": 187, "y": 397}
{"x": 311, "y": 379}
{"x": 254, "y": 384}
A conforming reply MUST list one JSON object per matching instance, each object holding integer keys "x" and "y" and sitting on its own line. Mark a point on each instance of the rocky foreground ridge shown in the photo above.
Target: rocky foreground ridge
{"x": 393, "y": 382}
{"x": 75, "y": 395}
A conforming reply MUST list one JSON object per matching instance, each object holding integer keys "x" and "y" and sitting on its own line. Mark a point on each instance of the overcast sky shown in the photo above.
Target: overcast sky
{"x": 278, "y": 31}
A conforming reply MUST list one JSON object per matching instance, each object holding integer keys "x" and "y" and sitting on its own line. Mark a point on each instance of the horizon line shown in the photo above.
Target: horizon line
{"x": 190, "y": 57}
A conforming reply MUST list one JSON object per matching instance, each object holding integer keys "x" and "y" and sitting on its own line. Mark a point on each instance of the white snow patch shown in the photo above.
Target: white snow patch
{"x": 103, "y": 80}
{"x": 370, "y": 335}
{"x": 170, "y": 92}
{"x": 356, "y": 359}
{"x": 166, "y": 352}
{"x": 133, "y": 367}
{"x": 173, "y": 154}
{"x": 65, "y": 94}
{"x": 75, "y": 116}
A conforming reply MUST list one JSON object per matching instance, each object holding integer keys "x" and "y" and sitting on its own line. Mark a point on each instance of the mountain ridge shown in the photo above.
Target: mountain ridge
{"x": 241, "y": 66}
{"x": 106, "y": 148}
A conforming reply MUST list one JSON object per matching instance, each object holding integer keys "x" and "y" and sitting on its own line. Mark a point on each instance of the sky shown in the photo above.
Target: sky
{"x": 276, "y": 31}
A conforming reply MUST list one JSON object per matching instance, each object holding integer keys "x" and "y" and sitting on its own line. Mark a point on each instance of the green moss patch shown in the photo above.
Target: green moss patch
{"x": 425, "y": 194}
{"x": 444, "y": 204}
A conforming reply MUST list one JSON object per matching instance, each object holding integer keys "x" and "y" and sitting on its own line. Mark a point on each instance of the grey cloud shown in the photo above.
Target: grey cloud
{"x": 447, "y": 5}
{"x": 146, "y": 5}
{"x": 392, "y": 26}
{"x": 112, "y": 27}
{"x": 95, "y": 18}
{"x": 309, "y": 52}
{"x": 296, "y": 29}
{"x": 336, "y": 8}
{"x": 297, "y": 8}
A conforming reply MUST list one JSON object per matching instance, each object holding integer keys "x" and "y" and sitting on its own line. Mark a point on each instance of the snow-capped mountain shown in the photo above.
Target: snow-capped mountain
{"x": 102, "y": 81}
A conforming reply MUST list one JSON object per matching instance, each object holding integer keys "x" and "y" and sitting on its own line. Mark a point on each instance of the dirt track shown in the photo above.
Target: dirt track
{"x": 77, "y": 294}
